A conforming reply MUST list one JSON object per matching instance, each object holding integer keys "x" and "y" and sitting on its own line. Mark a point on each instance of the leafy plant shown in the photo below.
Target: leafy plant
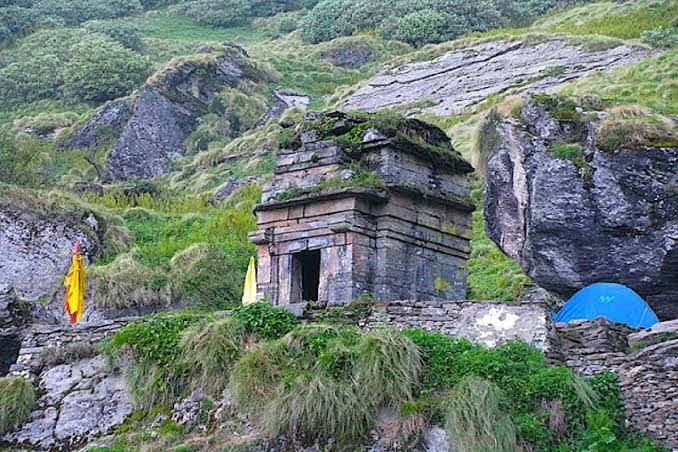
{"x": 268, "y": 322}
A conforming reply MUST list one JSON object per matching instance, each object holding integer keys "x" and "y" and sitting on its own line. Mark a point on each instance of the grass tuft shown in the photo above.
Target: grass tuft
{"x": 475, "y": 416}
{"x": 17, "y": 400}
{"x": 210, "y": 351}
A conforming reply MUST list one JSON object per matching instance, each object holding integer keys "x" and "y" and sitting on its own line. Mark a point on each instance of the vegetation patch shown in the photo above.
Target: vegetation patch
{"x": 632, "y": 126}
{"x": 492, "y": 275}
{"x": 17, "y": 401}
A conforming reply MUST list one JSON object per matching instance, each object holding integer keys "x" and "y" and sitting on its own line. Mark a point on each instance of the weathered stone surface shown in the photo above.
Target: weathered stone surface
{"x": 152, "y": 125}
{"x": 79, "y": 402}
{"x": 42, "y": 336}
{"x": 591, "y": 347}
{"x": 283, "y": 100}
{"x": 106, "y": 124}
{"x": 36, "y": 248}
{"x": 649, "y": 382}
{"x": 567, "y": 227}
{"x": 462, "y": 78}
{"x": 485, "y": 322}
{"x": 228, "y": 187}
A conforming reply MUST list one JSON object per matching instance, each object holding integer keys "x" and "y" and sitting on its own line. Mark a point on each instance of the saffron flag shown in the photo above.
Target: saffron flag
{"x": 249, "y": 295}
{"x": 75, "y": 286}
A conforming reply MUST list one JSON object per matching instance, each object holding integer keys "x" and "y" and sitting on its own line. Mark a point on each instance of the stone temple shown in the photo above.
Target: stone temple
{"x": 364, "y": 204}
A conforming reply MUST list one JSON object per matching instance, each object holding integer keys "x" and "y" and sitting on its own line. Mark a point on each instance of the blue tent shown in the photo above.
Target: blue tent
{"x": 614, "y": 302}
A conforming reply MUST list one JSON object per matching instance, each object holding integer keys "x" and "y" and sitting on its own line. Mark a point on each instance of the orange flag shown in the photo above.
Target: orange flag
{"x": 75, "y": 286}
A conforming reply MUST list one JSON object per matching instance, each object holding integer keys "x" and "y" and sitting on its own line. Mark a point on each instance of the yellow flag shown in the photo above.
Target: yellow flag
{"x": 75, "y": 286}
{"x": 249, "y": 295}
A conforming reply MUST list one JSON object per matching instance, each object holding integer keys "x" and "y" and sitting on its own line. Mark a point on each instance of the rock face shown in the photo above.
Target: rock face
{"x": 79, "y": 401}
{"x": 283, "y": 100}
{"x": 107, "y": 123}
{"x": 36, "y": 248}
{"x": 461, "y": 78}
{"x": 613, "y": 216}
{"x": 152, "y": 125}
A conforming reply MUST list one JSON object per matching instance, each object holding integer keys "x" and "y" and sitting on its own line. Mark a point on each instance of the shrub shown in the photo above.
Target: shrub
{"x": 661, "y": 37}
{"x": 126, "y": 34}
{"x": 101, "y": 69}
{"x": 323, "y": 370}
{"x": 218, "y": 13}
{"x": 266, "y": 321}
{"x": 632, "y": 126}
{"x": 317, "y": 407}
{"x": 475, "y": 416}
{"x": 17, "y": 400}
{"x": 417, "y": 28}
{"x": 209, "y": 352}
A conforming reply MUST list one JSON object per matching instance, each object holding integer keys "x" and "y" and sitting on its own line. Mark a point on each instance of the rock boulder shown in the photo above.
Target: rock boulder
{"x": 151, "y": 126}
{"x": 604, "y": 216}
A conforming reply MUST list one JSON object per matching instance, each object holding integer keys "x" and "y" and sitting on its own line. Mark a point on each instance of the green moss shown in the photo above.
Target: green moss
{"x": 573, "y": 152}
{"x": 561, "y": 108}
{"x": 361, "y": 178}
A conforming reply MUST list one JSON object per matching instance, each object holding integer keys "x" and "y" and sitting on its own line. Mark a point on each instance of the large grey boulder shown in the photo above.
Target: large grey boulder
{"x": 613, "y": 216}
{"x": 36, "y": 246}
{"x": 151, "y": 126}
{"x": 461, "y": 78}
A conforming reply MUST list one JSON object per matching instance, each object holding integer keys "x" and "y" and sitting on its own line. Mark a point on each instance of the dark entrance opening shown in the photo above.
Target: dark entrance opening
{"x": 309, "y": 269}
{"x": 9, "y": 352}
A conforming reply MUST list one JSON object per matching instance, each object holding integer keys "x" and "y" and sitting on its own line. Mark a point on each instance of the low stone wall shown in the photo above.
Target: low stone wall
{"x": 649, "y": 382}
{"x": 486, "y": 322}
{"x": 591, "y": 347}
{"x": 40, "y": 337}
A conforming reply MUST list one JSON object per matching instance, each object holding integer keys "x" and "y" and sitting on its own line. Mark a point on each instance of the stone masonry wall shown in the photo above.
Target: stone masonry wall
{"x": 41, "y": 337}
{"x": 486, "y": 322}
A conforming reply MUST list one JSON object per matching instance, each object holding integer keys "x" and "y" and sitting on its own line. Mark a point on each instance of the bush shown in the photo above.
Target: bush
{"x": 476, "y": 417}
{"x": 17, "y": 400}
{"x": 661, "y": 37}
{"x": 73, "y": 12}
{"x": 218, "y": 13}
{"x": 126, "y": 34}
{"x": 100, "y": 69}
{"x": 417, "y": 28}
{"x": 266, "y": 321}
{"x": 318, "y": 372}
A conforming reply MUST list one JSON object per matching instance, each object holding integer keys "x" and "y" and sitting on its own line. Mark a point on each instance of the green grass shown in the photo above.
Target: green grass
{"x": 651, "y": 82}
{"x": 165, "y": 25}
{"x": 17, "y": 400}
{"x": 476, "y": 417}
{"x": 619, "y": 20}
{"x": 492, "y": 274}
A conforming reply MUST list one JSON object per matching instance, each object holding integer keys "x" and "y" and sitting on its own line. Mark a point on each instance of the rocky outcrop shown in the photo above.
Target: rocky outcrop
{"x": 106, "y": 124}
{"x": 79, "y": 401}
{"x": 593, "y": 215}
{"x": 284, "y": 100}
{"x": 461, "y": 78}
{"x": 152, "y": 125}
{"x": 229, "y": 187}
{"x": 36, "y": 247}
